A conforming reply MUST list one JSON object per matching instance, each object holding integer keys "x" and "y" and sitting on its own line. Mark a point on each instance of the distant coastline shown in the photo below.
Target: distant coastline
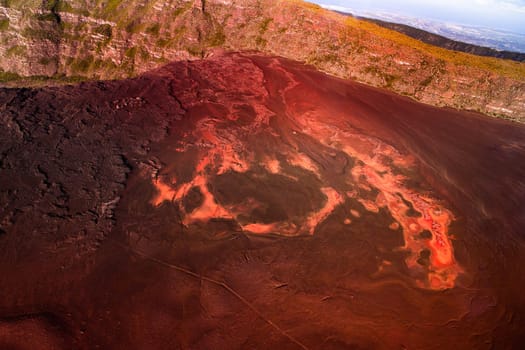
{"x": 446, "y": 43}
{"x": 440, "y": 40}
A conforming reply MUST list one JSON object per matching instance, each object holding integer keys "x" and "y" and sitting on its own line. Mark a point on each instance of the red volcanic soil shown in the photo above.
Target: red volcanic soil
{"x": 251, "y": 202}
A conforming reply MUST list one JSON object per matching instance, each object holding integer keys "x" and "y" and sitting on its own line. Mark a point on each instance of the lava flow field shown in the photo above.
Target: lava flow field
{"x": 252, "y": 202}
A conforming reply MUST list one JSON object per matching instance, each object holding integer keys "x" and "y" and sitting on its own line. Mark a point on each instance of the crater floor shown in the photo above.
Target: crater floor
{"x": 247, "y": 201}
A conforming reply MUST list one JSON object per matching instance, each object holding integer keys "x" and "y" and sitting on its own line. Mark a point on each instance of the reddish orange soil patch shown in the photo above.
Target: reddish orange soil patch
{"x": 165, "y": 192}
{"x": 209, "y": 209}
{"x": 303, "y": 161}
{"x": 394, "y": 195}
{"x": 394, "y": 226}
{"x": 369, "y": 205}
{"x": 312, "y": 142}
{"x": 260, "y": 228}
{"x": 333, "y": 199}
{"x": 272, "y": 165}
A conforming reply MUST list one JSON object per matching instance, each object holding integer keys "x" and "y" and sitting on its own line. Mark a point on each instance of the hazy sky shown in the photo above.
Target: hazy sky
{"x": 497, "y": 14}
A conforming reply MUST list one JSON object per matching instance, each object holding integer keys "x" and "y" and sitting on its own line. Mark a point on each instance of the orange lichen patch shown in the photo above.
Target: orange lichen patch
{"x": 347, "y": 221}
{"x": 333, "y": 199}
{"x": 260, "y": 228}
{"x": 165, "y": 192}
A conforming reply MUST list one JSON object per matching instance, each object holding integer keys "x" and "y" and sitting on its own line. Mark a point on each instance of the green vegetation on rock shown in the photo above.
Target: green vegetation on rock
{"x": 4, "y": 24}
{"x": 217, "y": 38}
{"x": 8, "y": 76}
{"x": 111, "y": 6}
{"x": 17, "y": 50}
{"x": 41, "y": 34}
{"x": 82, "y": 65}
{"x": 105, "y": 30}
{"x": 153, "y": 29}
{"x": 264, "y": 25}
{"x": 64, "y": 6}
{"x": 131, "y": 52}
{"x": 48, "y": 60}
{"x": 181, "y": 9}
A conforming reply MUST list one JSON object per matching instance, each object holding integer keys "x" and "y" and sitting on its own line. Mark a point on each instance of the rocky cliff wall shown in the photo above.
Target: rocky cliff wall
{"x": 115, "y": 39}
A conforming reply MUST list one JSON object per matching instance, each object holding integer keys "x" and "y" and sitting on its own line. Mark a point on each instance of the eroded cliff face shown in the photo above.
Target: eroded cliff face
{"x": 115, "y": 39}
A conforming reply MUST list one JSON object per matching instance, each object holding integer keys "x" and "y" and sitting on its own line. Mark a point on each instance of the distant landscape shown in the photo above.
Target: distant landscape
{"x": 446, "y": 43}
{"x": 498, "y": 39}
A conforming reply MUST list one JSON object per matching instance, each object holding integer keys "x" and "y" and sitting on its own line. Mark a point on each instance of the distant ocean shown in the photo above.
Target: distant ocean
{"x": 503, "y": 40}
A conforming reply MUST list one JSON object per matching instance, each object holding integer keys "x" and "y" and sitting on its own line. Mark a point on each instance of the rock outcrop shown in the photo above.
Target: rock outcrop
{"x": 114, "y": 39}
